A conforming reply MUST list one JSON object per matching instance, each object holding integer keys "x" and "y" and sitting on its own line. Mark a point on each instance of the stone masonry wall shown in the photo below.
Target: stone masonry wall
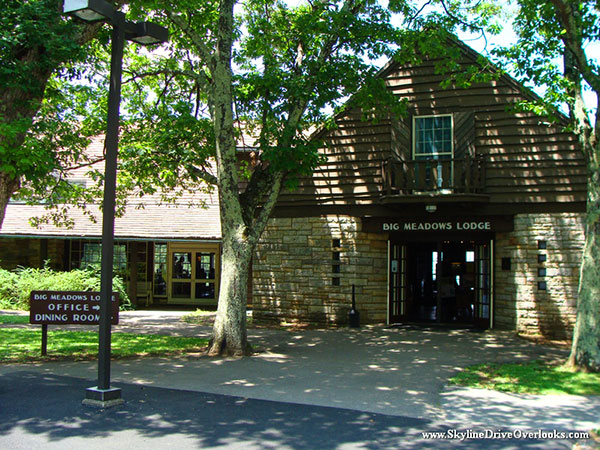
{"x": 520, "y": 303}
{"x": 294, "y": 271}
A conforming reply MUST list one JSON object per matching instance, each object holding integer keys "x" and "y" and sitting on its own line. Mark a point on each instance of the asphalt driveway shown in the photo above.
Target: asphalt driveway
{"x": 397, "y": 372}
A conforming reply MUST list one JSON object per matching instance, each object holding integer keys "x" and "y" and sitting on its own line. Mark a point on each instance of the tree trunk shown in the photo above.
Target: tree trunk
{"x": 8, "y": 186}
{"x": 585, "y": 349}
{"x": 229, "y": 336}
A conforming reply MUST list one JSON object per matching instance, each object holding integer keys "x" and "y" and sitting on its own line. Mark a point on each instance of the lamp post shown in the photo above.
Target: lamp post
{"x": 145, "y": 33}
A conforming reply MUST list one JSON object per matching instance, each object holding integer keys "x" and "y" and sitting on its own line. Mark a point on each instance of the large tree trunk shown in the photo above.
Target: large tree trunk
{"x": 585, "y": 349}
{"x": 229, "y": 332}
{"x": 244, "y": 216}
{"x": 8, "y": 186}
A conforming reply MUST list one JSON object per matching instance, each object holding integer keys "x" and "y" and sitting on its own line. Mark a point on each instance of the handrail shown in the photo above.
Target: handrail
{"x": 442, "y": 176}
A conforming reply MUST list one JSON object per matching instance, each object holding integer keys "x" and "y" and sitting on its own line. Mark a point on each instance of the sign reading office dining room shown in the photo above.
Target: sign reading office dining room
{"x": 69, "y": 308}
{"x": 478, "y": 224}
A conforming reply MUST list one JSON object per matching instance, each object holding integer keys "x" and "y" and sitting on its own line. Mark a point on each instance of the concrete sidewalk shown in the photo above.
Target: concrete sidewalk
{"x": 399, "y": 371}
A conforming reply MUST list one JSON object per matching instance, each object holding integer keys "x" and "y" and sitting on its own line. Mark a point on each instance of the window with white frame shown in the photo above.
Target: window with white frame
{"x": 432, "y": 137}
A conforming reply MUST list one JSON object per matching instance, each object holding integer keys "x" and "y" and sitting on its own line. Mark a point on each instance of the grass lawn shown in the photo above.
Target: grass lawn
{"x": 530, "y": 378}
{"x": 14, "y": 319}
{"x": 200, "y": 317}
{"x": 206, "y": 317}
{"x": 23, "y": 345}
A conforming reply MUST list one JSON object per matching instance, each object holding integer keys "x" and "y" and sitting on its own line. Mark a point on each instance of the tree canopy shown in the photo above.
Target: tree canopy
{"x": 40, "y": 108}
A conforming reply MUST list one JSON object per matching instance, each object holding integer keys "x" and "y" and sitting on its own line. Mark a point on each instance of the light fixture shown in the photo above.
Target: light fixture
{"x": 89, "y": 10}
{"x": 147, "y": 33}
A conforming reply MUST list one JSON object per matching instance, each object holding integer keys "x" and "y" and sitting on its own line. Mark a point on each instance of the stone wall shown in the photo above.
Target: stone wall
{"x": 295, "y": 271}
{"x": 294, "y": 275}
{"x": 15, "y": 252}
{"x": 521, "y": 303}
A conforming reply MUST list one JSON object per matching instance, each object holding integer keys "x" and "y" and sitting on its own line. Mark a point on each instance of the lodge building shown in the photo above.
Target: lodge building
{"x": 461, "y": 211}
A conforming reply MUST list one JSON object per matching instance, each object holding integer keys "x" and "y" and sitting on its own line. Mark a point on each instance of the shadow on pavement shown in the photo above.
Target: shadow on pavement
{"x": 45, "y": 411}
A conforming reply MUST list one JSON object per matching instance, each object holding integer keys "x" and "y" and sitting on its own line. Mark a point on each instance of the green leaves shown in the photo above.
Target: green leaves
{"x": 34, "y": 40}
{"x": 545, "y": 31}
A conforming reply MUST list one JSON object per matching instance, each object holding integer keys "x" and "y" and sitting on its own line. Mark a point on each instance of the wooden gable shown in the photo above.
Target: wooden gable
{"x": 523, "y": 158}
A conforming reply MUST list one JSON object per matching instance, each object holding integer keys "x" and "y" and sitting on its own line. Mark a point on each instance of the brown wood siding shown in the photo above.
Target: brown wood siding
{"x": 526, "y": 159}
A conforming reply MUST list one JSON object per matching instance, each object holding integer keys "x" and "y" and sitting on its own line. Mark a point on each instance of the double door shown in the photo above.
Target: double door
{"x": 441, "y": 281}
{"x": 188, "y": 273}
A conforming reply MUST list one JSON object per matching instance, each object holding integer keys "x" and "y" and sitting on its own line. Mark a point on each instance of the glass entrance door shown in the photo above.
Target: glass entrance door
{"x": 398, "y": 288}
{"x": 194, "y": 274}
{"x": 483, "y": 286}
{"x": 447, "y": 281}
{"x": 181, "y": 281}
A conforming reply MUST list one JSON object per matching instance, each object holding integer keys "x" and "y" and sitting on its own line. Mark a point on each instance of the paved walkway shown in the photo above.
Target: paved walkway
{"x": 400, "y": 371}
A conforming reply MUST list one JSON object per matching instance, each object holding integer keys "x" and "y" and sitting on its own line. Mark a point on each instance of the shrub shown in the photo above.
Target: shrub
{"x": 16, "y": 285}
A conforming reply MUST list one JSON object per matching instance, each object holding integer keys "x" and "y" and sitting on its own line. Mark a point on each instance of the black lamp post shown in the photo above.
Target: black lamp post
{"x": 145, "y": 33}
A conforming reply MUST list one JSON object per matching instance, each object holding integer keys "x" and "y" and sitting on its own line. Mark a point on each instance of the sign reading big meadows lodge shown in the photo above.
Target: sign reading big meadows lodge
{"x": 488, "y": 224}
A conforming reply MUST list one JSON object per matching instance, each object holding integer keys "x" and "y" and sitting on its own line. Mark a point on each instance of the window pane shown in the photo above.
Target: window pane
{"x": 182, "y": 290}
{"x": 433, "y": 137}
{"x": 182, "y": 265}
{"x": 205, "y": 266}
{"x": 92, "y": 255}
{"x": 160, "y": 269}
{"x": 120, "y": 260}
{"x": 205, "y": 290}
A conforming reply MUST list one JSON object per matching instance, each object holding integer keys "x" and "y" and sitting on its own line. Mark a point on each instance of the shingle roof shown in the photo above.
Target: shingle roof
{"x": 156, "y": 220}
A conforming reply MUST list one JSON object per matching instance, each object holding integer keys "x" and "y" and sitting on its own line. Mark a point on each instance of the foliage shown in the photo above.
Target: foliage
{"x": 16, "y": 286}
{"x": 49, "y": 104}
{"x": 23, "y": 345}
{"x": 530, "y": 378}
{"x": 538, "y": 55}
{"x": 34, "y": 41}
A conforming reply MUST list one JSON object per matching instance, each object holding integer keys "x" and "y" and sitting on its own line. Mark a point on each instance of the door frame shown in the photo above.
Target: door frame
{"x": 396, "y": 269}
{"x": 193, "y": 248}
{"x": 404, "y": 241}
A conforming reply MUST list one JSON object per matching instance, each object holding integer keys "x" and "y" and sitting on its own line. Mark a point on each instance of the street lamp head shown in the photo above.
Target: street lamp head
{"x": 148, "y": 33}
{"x": 89, "y": 10}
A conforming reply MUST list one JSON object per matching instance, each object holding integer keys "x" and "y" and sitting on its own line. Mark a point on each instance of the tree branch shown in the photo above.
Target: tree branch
{"x": 576, "y": 66}
{"x": 199, "y": 77}
{"x": 570, "y": 19}
{"x": 197, "y": 40}
{"x": 205, "y": 175}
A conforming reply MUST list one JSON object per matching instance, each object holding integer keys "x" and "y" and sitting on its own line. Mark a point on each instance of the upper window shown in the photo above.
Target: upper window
{"x": 433, "y": 137}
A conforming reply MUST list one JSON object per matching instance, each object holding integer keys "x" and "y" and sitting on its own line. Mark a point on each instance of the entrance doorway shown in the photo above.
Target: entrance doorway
{"x": 186, "y": 273}
{"x": 441, "y": 281}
